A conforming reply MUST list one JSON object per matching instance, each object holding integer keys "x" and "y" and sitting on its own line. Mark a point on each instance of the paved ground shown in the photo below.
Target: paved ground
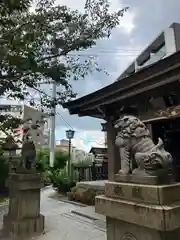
{"x": 89, "y": 212}
{"x": 64, "y": 225}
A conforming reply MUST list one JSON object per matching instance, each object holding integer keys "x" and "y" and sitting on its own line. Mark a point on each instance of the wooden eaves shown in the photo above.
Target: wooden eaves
{"x": 98, "y": 150}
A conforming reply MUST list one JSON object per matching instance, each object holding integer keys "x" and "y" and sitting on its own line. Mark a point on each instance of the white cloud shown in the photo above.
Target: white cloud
{"x": 78, "y": 4}
{"x": 127, "y": 22}
{"x": 60, "y": 109}
{"x": 123, "y": 58}
{"x": 87, "y": 139}
{"x": 83, "y": 139}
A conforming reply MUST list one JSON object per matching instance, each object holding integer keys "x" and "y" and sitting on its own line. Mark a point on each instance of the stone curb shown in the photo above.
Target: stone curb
{"x": 73, "y": 203}
{"x": 84, "y": 215}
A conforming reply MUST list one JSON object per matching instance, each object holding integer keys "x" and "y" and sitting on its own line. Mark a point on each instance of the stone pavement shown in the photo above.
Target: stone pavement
{"x": 89, "y": 212}
{"x": 62, "y": 224}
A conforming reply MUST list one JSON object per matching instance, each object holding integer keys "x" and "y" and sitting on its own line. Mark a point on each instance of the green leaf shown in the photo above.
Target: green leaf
{"x": 46, "y": 43}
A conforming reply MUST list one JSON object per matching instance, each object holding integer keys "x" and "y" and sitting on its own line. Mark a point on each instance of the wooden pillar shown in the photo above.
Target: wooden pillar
{"x": 114, "y": 161}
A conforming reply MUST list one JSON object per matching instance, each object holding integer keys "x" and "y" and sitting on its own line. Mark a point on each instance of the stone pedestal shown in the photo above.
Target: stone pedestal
{"x": 140, "y": 212}
{"x": 24, "y": 216}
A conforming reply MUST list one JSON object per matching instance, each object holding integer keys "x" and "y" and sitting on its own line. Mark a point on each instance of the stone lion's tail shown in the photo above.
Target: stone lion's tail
{"x": 158, "y": 158}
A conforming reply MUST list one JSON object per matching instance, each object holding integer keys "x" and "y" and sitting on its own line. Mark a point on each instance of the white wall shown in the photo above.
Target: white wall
{"x": 15, "y": 111}
{"x": 24, "y": 112}
{"x": 170, "y": 41}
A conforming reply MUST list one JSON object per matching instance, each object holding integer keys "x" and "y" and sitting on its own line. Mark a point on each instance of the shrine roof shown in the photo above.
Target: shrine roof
{"x": 153, "y": 80}
{"x": 98, "y": 150}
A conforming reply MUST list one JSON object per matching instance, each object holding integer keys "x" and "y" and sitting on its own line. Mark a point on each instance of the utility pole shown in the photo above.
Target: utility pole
{"x": 69, "y": 159}
{"x": 52, "y": 126}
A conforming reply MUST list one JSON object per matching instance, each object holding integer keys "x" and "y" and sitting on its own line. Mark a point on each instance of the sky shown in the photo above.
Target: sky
{"x": 140, "y": 25}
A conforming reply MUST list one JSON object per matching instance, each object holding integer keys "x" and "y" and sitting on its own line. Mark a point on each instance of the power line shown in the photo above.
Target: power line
{"x": 105, "y": 52}
{"x": 91, "y": 54}
{"x": 116, "y": 48}
{"x": 68, "y": 125}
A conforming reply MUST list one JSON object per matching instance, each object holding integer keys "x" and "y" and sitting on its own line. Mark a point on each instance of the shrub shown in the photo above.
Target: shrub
{"x": 60, "y": 160}
{"x": 46, "y": 177}
{"x": 62, "y": 182}
{"x": 83, "y": 195}
{"x": 42, "y": 160}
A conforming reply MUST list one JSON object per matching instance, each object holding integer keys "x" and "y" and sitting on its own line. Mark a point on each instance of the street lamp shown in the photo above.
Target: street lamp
{"x": 69, "y": 135}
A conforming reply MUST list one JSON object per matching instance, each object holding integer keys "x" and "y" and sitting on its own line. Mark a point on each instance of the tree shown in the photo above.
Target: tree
{"x": 9, "y": 6}
{"x": 46, "y": 43}
{"x": 43, "y": 156}
{"x": 42, "y": 160}
{"x": 61, "y": 159}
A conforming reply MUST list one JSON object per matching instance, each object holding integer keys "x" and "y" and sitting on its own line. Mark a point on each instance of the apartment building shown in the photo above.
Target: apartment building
{"x": 165, "y": 44}
{"x": 25, "y": 112}
{"x": 63, "y": 145}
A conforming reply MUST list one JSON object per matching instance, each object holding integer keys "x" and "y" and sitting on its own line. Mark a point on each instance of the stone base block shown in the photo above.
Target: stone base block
{"x": 26, "y": 226}
{"x": 144, "y": 179}
{"x": 24, "y": 182}
{"x": 121, "y": 230}
{"x": 24, "y": 218}
{"x": 153, "y": 194}
{"x": 159, "y": 217}
{"x": 140, "y": 211}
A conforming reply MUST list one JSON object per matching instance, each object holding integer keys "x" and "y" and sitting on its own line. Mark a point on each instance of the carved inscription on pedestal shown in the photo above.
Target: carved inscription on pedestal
{"x": 118, "y": 190}
{"x": 128, "y": 236}
{"x": 136, "y": 192}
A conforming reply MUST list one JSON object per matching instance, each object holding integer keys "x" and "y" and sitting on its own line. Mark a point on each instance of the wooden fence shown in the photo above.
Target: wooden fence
{"x": 92, "y": 173}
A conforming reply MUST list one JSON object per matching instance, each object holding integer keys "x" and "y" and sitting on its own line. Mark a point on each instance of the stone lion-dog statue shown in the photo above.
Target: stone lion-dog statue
{"x": 139, "y": 151}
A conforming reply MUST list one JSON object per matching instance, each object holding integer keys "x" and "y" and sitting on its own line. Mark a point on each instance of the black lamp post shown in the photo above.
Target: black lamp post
{"x": 70, "y": 136}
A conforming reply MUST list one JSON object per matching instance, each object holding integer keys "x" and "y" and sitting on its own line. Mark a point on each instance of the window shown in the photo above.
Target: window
{"x": 155, "y": 57}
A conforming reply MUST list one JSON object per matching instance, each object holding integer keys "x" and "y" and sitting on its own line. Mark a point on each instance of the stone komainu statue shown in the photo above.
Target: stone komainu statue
{"x": 28, "y": 154}
{"x": 140, "y": 152}
{"x": 28, "y": 158}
